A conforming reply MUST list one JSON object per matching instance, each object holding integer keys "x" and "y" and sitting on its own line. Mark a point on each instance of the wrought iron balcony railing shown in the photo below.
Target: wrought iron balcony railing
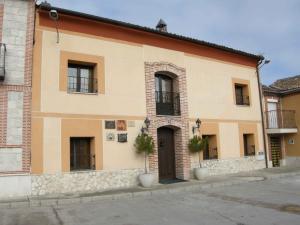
{"x": 167, "y": 103}
{"x": 242, "y": 100}
{"x": 82, "y": 84}
{"x": 277, "y": 119}
{"x": 2, "y": 61}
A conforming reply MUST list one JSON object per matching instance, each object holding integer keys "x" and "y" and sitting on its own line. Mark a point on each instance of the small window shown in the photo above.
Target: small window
{"x": 249, "y": 146}
{"x": 241, "y": 94}
{"x": 81, "y": 79}
{"x": 210, "y": 150}
{"x": 80, "y": 154}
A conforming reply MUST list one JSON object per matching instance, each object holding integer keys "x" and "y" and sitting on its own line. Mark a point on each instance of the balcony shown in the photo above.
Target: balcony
{"x": 281, "y": 121}
{"x": 81, "y": 84}
{"x": 167, "y": 103}
{"x": 242, "y": 100}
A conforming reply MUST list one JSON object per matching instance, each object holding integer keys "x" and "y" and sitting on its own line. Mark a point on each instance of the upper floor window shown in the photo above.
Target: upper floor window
{"x": 167, "y": 100}
{"x": 81, "y": 78}
{"x": 241, "y": 94}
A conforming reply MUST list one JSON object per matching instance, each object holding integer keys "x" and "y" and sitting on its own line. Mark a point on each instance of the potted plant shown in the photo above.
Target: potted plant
{"x": 145, "y": 144}
{"x": 196, "y": 145}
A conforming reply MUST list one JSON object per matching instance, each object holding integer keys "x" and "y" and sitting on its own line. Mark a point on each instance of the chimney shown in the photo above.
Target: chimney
{"x": 161, "y": 26}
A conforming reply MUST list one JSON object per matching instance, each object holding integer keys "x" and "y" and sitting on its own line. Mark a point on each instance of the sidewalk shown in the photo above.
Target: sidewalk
{"x": 190, "y": 186}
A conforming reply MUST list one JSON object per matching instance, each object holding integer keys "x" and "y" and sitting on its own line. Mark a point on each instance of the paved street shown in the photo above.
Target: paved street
{"x": 275, "y": 201}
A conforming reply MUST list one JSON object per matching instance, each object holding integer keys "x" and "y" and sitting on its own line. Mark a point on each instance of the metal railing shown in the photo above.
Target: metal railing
{"x": 242, "y": 100}
{"x": 82, "y": 84}
{"x": 2, "y": 61}
{"x": 167, "y": 103}
{"x": 281, "y": 119}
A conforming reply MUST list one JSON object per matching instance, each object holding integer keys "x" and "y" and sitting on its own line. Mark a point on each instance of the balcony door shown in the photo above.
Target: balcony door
{"x": 164, "y": 94}
{"x": 272, "y": 115}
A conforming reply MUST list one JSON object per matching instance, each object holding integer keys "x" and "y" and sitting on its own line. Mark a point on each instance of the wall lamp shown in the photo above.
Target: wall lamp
{"x": 197, "y": 127}
{"x": 264, "y": 62}
{"x": 145, "y": 127}
{"x": 53, "y": 14}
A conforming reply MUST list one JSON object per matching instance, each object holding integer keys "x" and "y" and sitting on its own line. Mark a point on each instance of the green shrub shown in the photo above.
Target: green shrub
{"x": 144, "y": 144}
{"x": 197, "y": 144}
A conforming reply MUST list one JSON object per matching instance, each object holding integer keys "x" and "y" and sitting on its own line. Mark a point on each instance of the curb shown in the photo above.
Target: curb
{"x": 193, "y": 187}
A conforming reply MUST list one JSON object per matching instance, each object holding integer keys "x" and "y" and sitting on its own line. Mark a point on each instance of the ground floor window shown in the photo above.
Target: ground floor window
{"x": 80, "y": 153}
{"x": 211, "y": 150}
{"x": 249, "y": 144}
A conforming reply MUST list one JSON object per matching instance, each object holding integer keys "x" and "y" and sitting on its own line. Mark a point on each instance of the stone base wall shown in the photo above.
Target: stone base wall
{"x": 292, "y": 161}
{"x": 84, "y": 181}
{"x": 229, "y": 166}
{"x": 13, "y": 186}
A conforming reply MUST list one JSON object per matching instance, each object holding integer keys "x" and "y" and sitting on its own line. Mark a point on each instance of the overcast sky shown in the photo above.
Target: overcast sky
{"x": 268, "y": 27}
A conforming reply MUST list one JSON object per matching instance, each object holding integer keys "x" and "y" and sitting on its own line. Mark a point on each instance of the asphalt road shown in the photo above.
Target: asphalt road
{"x": 275, "y": 201}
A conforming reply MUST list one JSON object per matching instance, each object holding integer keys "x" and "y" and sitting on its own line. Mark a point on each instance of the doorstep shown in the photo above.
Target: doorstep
{"x": 159, "y": 189}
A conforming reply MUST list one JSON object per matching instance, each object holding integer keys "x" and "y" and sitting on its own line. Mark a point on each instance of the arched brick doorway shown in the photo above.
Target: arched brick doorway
{"x": 177, "y": 122}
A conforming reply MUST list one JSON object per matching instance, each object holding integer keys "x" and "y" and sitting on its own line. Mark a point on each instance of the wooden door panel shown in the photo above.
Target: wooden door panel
{"x": 166, "y": 154}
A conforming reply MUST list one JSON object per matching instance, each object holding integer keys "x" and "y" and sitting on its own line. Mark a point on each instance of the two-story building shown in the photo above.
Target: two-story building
{"x": 16, "y": 46}
{"x": 282, "y": 108}
{"x": 96, "y": 80}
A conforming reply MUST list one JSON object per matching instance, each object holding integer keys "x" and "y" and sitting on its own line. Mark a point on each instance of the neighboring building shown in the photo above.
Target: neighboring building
{"x": 16, "y": 37}
{"x": 96, "y": 80}
{"x": 282, "y": 106}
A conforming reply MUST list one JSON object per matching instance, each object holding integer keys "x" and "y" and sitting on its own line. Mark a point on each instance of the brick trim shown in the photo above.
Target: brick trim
{"x": 27, "y": 83}
{"x": 180, "y": 124}
{"x": 3, "y": 115}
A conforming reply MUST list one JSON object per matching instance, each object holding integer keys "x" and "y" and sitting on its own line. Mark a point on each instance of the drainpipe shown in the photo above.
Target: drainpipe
{"x": 261, "y": 111}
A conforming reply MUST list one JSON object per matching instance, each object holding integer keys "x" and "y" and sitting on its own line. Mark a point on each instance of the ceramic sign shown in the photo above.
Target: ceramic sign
{"x": 110, "y": 124}
{"x": 122, "y": 138}
{"x": 121, "y": 125}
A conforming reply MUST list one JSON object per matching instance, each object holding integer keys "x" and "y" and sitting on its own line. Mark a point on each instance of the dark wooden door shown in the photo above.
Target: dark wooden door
{"x": 166, "y": 153}
{"x": 80, "y": 157}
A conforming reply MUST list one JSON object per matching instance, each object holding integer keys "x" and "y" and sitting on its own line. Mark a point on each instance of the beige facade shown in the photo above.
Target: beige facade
{"x": 124, "y": 70}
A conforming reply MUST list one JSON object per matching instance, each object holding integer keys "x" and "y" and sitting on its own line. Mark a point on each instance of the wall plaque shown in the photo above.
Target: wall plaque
{"x": 131, "y": 123}
{"x": 110, "y": 136}
{"x": 121, "y": 125}
{"x": 110, "y": 124}
{"x": 122, "y": 138}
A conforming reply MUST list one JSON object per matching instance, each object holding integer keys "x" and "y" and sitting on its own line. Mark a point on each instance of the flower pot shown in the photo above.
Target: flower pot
{"x": 146, "y": 179}
{"x": 200, "y": 173}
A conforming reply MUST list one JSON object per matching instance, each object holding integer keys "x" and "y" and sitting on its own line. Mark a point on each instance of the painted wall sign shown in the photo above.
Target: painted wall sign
{"x": 121, "y": 125}
{"x": 291, "y": 141}
{"x": 110, "y": 136}
{"x": 122, "y": 138}
{"x": 110, "y": 124}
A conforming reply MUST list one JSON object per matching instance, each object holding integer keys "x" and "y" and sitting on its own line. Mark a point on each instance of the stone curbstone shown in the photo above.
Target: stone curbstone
{"x": 66, "y": 201}
{"x": 122, "y": 196}
{"x": 19, "y": 204}
{"x": 141, "y": 194}
{"x": 34, "y": 203}
{"x": 160, "y": 192}
{"x": 5, "y": 205}
{"x": 49, "y": 202}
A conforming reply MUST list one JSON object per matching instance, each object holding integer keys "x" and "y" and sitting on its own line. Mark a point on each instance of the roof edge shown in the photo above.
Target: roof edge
{"x": 149, "y": 30}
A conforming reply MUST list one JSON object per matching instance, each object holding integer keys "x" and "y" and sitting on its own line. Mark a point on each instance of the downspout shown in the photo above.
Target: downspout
{"x": 261, "y": 111}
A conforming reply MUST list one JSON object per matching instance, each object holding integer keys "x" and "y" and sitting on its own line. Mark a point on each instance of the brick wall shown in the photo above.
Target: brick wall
{"x": 17, "y": 25}
{"x": 178, "y": 123}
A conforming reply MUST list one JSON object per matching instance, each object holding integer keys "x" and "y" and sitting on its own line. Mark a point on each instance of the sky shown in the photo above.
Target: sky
{"x": 267, "y": 27}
